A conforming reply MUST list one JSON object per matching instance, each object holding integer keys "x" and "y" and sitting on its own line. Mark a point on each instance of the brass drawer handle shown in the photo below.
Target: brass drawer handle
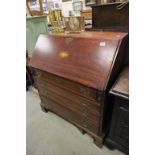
{"x": 84, "y": 91}
{"x": 85, "y": 114}
{"x": 44, "y": 93}
{"x": 84, "y": 104}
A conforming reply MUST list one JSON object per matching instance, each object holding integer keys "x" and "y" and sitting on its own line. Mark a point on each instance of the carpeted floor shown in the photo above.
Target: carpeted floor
{"x": 49, "y": 134}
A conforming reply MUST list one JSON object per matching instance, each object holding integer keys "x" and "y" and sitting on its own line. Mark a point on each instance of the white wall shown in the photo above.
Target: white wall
{"x": 66, "y": 7}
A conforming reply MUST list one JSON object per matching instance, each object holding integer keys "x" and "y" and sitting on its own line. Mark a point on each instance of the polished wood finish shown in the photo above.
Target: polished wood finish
{"x": 67, "y": 84}
{"x": 71, "y": 101}
{"x": 69, "y": 114}
{"x": 73, "y": 73}
{"x": 85, "y": 64}
{"x": 119, "y": 131}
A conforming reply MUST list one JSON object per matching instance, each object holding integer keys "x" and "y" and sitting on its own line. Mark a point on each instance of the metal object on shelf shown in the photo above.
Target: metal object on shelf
{"x": 74, "y": 24}
{"x": 56, "y": 20}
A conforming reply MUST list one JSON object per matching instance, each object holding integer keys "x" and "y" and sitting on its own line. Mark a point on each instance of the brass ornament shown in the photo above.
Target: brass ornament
{"x": 69, "y": 40}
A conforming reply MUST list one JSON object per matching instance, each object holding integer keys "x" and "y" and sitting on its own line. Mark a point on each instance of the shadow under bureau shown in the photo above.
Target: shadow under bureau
{"x": 73, "y": 73}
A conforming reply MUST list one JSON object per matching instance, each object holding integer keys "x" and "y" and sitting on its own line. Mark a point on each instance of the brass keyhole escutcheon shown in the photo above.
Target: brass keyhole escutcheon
{"x": 69, "y": 40}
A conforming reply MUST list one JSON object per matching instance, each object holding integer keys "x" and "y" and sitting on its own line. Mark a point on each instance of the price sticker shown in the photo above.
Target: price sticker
{"x": 102, "y": 43}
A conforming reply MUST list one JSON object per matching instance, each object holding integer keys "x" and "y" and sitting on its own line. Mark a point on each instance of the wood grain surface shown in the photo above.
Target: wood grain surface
{"x": 85, "y": 58}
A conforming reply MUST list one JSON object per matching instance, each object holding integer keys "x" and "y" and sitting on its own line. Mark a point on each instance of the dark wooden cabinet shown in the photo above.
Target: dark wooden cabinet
{"x": 119, "y": 130}
{"x": 73, "y": 73}
{"x": 101, "y": 2}
{"x": 109, "y": 17}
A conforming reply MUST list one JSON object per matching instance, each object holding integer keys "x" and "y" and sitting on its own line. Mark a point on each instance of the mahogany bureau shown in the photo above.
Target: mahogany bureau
{"x": 74, "y": 72}
{"x": 119, "y": 131}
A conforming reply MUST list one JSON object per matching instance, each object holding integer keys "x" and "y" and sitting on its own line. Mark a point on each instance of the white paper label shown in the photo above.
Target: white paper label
{"x": 102, "y": 43}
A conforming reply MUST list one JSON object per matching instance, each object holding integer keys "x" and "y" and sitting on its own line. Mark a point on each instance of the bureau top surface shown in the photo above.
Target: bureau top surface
{"x": 92, "y": 35}
{"x": 86, "y": 58}
{"x": 121, "y": 86}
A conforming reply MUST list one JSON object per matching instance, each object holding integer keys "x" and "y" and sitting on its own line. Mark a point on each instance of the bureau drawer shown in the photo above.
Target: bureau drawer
{"x": 71, "y": 102}
{"x": 71, "y": 99}
{"x": 69, "y": 85}
{"x": 71, "y": 116}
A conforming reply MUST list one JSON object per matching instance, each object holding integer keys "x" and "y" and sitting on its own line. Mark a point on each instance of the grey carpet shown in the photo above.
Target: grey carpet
{"x": 49, "y": 134}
